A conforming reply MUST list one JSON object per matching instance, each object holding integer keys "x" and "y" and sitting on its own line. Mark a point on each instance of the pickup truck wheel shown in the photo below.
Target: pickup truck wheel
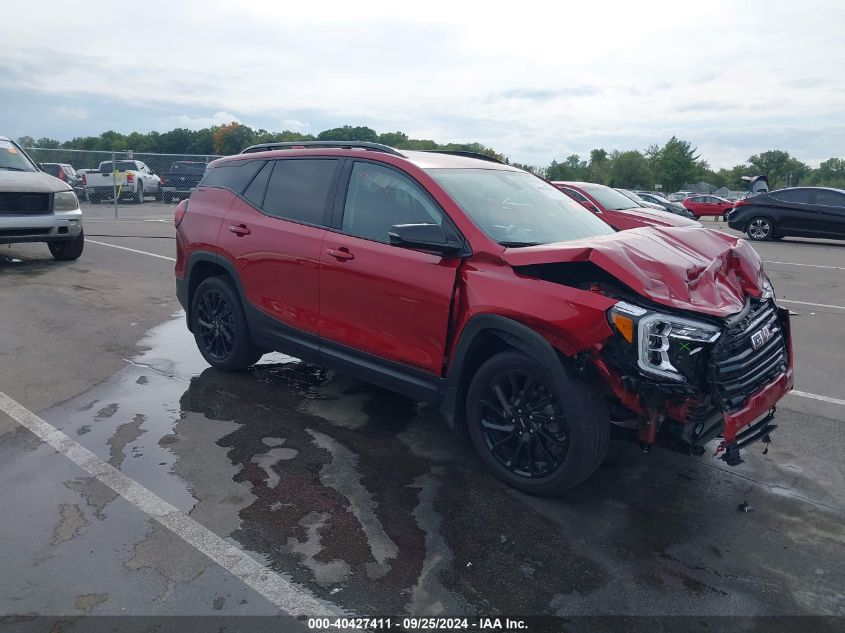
{"x": 67, "y": 250}
{"x": 167, "y": 198}
{"x": 534, "y": 434}
{"x": 159, "y": 194}
{"x": 220, "y": 327}
{"x": 139, "y": 193}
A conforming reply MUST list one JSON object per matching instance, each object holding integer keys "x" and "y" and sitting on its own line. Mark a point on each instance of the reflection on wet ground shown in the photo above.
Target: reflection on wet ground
{"x": 366, "y": 499}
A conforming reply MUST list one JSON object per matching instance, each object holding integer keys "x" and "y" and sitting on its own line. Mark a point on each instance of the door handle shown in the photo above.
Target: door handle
{"x": 240, "y": 230}
{"x": 341, "y": 254}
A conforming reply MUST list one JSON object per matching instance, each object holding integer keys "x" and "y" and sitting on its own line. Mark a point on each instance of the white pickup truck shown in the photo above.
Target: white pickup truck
{"x": 133, "y": 180}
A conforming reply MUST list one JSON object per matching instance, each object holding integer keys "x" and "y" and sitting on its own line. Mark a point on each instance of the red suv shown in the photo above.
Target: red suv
{"x": 463, "y": 281}
{"x": 617, "y": 209}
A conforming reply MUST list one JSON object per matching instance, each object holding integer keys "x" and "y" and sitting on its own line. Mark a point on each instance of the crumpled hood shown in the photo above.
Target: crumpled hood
{"x": 31, "y": 182}
{"x": 687, "y": 268}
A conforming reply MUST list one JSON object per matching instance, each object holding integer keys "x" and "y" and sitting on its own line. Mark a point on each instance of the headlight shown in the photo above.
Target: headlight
{"x": 768, "y": 288}
{"x": 663, "y": 341}
{"x": 65, "y": 201}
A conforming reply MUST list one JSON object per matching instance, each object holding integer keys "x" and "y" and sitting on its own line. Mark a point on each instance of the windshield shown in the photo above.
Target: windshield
{"x": 12, "y": 158}
{"x": 122, "y": 165}
{"x": 631, "y": 195}
{"x": 609, "y": 198}
{"x": 518, "y": 209}
{"x": 188, "y": 168}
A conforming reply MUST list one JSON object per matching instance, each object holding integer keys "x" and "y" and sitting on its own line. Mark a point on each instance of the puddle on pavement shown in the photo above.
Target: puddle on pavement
{"x": 365, "y": 498}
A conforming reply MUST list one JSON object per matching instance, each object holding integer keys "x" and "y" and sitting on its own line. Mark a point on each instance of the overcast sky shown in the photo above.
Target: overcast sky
{"x": 535, "y": 81}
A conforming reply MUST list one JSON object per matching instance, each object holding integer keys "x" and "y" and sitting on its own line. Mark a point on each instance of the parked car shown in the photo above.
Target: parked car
{"x": 469, "y": 283}
{"x": 640, "y": 201}
{"x": 667, "y": 205}
{"x": 702, "y": 205}
{"x": 799, "y": 211}
{"x": 181, "y": 179}
{"x": 37, "y": 207}
{"x": 679, "y": 196}
{"x": 65, "y": 173}
{"x": 133, "y": 178}
{"x": 617, "y": 210}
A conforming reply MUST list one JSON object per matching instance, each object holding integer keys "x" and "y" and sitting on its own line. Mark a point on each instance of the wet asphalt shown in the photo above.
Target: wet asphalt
{"x": 363, "y": 497}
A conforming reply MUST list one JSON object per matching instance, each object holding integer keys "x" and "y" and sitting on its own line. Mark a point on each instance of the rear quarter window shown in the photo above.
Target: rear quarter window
{"x": 234, "y": 175}
{"x": 800, "y": 196}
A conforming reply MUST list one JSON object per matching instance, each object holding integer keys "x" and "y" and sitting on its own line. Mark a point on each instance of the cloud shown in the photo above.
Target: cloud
{"x": 294, "y": 125}
{"x": 534, "y": 83}
{"x": 71, "y": 113}
{"x": 199, "y": 122}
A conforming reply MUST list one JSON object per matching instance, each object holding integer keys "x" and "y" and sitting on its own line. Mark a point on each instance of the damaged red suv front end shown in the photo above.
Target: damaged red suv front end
{"x": 699, "y": 349}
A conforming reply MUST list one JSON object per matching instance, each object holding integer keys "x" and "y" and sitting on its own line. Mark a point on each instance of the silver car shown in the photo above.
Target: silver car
{"x": 37, "y": 207}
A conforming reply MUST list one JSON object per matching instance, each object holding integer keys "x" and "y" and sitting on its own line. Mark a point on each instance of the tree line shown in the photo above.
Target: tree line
{"x": 672, "y": 165}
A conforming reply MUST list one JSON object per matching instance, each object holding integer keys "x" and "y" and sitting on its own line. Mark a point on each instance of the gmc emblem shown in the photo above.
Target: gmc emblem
{"x": 762, "y": 336}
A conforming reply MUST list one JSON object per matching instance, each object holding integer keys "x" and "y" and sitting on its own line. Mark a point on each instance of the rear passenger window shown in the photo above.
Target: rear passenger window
{"x": 830, "y": 198}
{"x": 299, "y": 188}
{"x": 234, "y": 175}
{"x": 801, "y": 196}
{"x": 255, "y": 192}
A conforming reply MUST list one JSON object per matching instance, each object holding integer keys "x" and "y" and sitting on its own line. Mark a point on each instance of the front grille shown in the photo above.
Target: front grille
{"x": 21, "y": 203}
{"x": 22, "y": 232}
{"x": 739, "y": 369}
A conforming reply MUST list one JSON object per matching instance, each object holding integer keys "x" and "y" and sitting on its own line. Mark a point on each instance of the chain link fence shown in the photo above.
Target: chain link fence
{"x": 110, "y": 172}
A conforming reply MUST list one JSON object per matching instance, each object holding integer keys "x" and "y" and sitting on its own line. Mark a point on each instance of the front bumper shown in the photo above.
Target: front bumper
{"x": 758, "y": 404}
{"x": 59, "y": 225}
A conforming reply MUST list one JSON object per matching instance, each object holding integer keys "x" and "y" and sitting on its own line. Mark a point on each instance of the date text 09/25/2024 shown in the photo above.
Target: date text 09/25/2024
{"x": 412, "y": 624}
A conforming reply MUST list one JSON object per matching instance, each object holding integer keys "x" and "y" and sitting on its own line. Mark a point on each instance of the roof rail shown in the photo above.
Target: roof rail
{"x": 459, "y": 152}
{"x": 373, "y": 147}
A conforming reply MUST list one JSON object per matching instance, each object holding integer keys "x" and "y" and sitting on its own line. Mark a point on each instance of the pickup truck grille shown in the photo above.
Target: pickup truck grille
{"x": 15, "y": 203}
{"x": 749, "y": 355}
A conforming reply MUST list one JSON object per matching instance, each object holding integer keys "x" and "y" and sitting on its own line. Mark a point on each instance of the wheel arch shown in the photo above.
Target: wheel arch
{"x": 482, "y": 337}
{"x": 201, "y": 266}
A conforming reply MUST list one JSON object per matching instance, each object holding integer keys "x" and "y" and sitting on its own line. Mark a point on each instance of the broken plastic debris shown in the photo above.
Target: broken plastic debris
{"x": 469, "y": 564}
{"x": 745, "y": 507}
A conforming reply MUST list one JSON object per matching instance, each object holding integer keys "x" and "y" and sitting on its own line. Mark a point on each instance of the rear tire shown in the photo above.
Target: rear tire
{"x": 759, "y": 229}
{"x": 138, "y": 198}
{"x": 68, "y": 250}
{"x": 220, "y": 327}
{"x": 534, "y": 434}
{"x": 167, "y": 198}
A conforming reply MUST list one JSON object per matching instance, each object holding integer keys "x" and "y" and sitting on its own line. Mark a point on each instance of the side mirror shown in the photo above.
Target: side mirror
{"x": 425, "y": 237}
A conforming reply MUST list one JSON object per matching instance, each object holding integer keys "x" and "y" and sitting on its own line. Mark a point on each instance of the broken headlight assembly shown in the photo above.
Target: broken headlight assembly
{"x": 665, "y": 344}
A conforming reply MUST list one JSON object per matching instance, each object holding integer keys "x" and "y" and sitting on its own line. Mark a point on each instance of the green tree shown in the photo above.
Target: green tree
{"x": 630, "y": 170}
{"x": 349, "y": 133}
{"x": 676, "y": 164}
{"x": 599, "y": 166}
{"x": 232, "y": 138}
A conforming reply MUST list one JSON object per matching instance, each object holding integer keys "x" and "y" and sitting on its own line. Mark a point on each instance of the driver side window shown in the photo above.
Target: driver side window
{"x": 379, "y": 197}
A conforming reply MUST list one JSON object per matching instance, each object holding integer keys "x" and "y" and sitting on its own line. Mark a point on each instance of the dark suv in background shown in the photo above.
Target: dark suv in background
{"x": 460, "y": 280}
{"x": 798, "y": 211}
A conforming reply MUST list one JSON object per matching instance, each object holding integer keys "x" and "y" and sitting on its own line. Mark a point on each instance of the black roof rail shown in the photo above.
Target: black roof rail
{"x": 373, "y": 147}
{"x": 458, "y": 152}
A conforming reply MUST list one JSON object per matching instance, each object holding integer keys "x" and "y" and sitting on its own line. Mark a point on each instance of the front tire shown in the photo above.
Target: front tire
{"x": 534, "y": 434}
{"x": 759, "y": 229}
{"x": 68, "y": 250}
{"x": 220, "y": 327}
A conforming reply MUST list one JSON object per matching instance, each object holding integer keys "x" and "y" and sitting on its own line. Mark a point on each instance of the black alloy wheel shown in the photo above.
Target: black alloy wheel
{"x": 523, "y": 425}
{"x": 538, "y": 428}
{"x": 220, "y": 326}
{"x": 215, "y": 324}
{"x": 759, "y": 229}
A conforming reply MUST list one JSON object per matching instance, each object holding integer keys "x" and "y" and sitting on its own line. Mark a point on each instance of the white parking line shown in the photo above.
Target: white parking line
{"x": 286, "y": 596}
{"x": 132, "y": 250}
{"x": 815, "y": 396}
{"x": 807, "y": 265}
{"x": 807, "y": 303}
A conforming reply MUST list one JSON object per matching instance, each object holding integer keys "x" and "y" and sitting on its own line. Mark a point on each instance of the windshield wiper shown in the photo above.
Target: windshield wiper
{"x": 12, "y": 168}
{"x": 519, "y": 244}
